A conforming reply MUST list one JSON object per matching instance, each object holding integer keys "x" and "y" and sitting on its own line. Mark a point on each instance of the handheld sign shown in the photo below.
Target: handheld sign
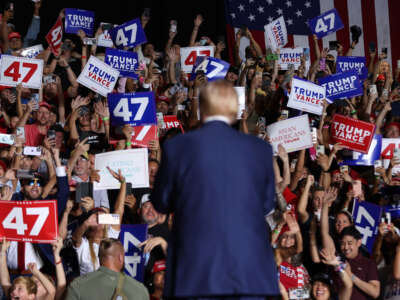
{"x": 142, "y": 135}
{"x": 132, "y": 108}
{"x": 104, "y": 39}
{"x": 171, "y": 121}
{"x": 388, "y": 146}
{"x": 133, "y": 164}
{"x": 325, "y": 24}
{"x": 276, "y": 34}
{"x": 15, "y": 70}
{"x": 306, "y": 96}
{"x": 366, "y": 218}
{"x": 289, "y": 56}
{"x": 29, "y": 221}
{"x": 54, "y": 37}
{"x": 189, "y": 56}
{"x": 79, "y": 19}
{"x": 32, "y": 52}
{"x": 129, "y": 34}
{"x": 360, "y": 159}
{"x": 98, "y": 76}
{"x": 352, "y": 63}
{"x": 393, "y": 210}
{"x": 131, "y": 236}
{"x": 342, "y": 85}
{"x": 351, "y": 133}
{"x": 294, "y": 134}
{"x": 213, "y": 68}
{"x": 125, "y": 62}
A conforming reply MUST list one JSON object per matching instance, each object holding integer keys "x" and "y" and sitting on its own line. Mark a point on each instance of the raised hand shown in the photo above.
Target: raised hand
{"x": 117, "y": 176}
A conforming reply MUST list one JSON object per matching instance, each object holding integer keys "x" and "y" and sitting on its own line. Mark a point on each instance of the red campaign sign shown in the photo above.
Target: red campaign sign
{"x": 172, "y": 122}
{"x": 54, "y": 37}
{"x": 142, "y": 135}
{"x": 29, "y": 221}
{"x": 353, "y": 134}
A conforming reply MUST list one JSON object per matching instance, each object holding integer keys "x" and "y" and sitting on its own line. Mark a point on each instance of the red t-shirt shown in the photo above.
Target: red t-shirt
{"x": 293, "y": 277}
{"x": 32, "y": 135}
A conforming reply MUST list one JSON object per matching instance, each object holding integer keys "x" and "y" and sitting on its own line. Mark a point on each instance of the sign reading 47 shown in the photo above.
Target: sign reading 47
{"x": 134, "y": 109}
{"x": 326, "y": 23}
{"x": 15, "y": 70}
{"x": 129, "y": 34}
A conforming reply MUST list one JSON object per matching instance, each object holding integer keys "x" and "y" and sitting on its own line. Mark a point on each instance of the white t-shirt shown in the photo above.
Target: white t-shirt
{"x": 83, "y": 252}
{"x": 30, "y": 256}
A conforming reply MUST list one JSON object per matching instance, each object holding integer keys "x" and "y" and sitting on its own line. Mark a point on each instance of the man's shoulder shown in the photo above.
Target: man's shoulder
{"x": 88, "y": 278}
{"x": 133, "y": 283}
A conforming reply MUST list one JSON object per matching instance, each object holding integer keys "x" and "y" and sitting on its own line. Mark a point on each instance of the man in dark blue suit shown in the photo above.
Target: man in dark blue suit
{"x": 219, "y": 183}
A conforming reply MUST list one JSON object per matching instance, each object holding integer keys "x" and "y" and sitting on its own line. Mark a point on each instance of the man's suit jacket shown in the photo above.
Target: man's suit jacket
{"x": 220, "y": 184}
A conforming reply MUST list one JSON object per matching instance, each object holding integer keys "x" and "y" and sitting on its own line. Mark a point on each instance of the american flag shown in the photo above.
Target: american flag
{"x": 378, "y": 20}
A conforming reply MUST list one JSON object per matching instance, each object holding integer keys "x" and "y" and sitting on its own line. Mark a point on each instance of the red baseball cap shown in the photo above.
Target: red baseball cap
{"x": 162, "y": 98}
{"x": 14, "y": 35}
{"x": 45, "y": 104}
{"x": 158, "y": 266}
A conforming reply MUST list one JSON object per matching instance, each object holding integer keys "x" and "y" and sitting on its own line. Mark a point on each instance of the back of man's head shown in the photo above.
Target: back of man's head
{"x": 351, "y": 231}
{"x": 219, "y": 98}
{"x": 111, "y": 254}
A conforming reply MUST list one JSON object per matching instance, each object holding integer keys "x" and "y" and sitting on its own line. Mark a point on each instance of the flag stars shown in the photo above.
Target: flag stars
{"x": 289, "y": 3}
{"x": 233, "y": 15}
{"x": 241, "y": 7}
{"x": 251, "y": 1}
{"x": 269, "y": 2}
{"x": 260, "y": 9}
{"x": 279, "y": 11}
{"x": 252, "y": 18}
{"x": 290, "y": 22}
{"x": 270, "y": 19}
{"x": 299, "y": 13}
{"x": 307, "y": 4}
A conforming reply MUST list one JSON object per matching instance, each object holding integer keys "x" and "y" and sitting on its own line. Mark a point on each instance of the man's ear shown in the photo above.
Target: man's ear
{"x": 359, "y": 243}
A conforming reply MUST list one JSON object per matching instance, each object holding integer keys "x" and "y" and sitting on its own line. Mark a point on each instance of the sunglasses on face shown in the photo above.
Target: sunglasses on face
{"x": 34, "y": 181}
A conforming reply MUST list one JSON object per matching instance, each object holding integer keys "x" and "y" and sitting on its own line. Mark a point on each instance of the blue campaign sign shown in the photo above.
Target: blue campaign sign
{"x": 342, "y": 85}
{"x": 131, "y": 236}
{"x": 361, "y": 159}
{"x": 126, "y": 62}
{"x": 213, "y": 68}
{"x": 76, "y": 19}
{"x": 356, "y": 63}
{"x": 326, "y": 23}
{"x": 132, "y": 108}
{"x": 129, "y": 34}
{"x": 393, "y": 209}
{"x": 366, "y": 218}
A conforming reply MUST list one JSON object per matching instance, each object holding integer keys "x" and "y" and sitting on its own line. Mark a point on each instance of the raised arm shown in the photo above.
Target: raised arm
{"x": 329, "y": 198}
{"x": 197, "y": 22}
{"x": 60, "y": 274}
{"x": 48, "y": 286}
{"x": 119, "y": 204}
{"x": 303, "y": 201}
{"x": 4, "y": 274}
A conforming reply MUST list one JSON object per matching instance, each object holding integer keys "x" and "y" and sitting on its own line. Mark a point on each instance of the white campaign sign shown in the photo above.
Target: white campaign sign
{"x": 15, "y": 70}
{"x": 31, "y": 52}
{"x": 294, "y": 134}
{"x": 133, "y": 164}
{"x": 104, "y": 39}
{"x": 276, "y": 34}
{"x": 292, "y": 56}
{"x": 241, "y": 100}
{"x": 306, "y": 96}
{"x": 98, "y": 76}
{"x": 189, "y": 56}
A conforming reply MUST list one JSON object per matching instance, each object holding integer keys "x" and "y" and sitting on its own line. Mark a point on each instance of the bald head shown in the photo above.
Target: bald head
{"x": 111, "y": 254}
{"x": 219, "y": 98}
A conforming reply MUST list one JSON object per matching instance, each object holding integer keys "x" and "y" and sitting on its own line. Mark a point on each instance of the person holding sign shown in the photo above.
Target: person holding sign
{"x": 219, "y": 228}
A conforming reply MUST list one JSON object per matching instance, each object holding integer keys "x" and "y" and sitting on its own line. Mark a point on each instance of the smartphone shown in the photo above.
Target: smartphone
{"x": 344, "y": 168}
{"x": 272, "y": 56}
{"x": 89, "y": 41}
{"x": 293, "y": 164}
{"x": 372, "y": 46}
{"x": 203, "y": 42}
{"x": 8, "y": 139}
{"x": 306, "y": 53}
{"x": 377, "y": 164}
{"x": 333, "y": 45}
{"x": 314, "y": 135}
{"x": 173, "y": 25}
{"x": 49, "y": 79}
{"x": 357, "y": 188}
{"x": 21, "y": 132}
{"x": 24, "y": 174}
{"x": 35, "y": 97}
{"x": 33, "y": 151}
{"x": 128, "y": 189}
{"x": 284, "y": 114}
{"x": 51, "y": 134}
{"x": 106, "y": 26}
{"x": 160, "y": 120}
{"x": 83, "y": 110}
{"x": 322, "y": 65}
{"x": 320, "y": 149}
{"x": 83, "y": 189}
{"x": 108, "y": 219}
{"x": 384, "y": 50}
{"x": 372, "y": 89}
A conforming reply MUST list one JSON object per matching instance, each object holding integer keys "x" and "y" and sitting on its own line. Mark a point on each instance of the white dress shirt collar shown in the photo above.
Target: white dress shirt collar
{"x": 218, "y": 118}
